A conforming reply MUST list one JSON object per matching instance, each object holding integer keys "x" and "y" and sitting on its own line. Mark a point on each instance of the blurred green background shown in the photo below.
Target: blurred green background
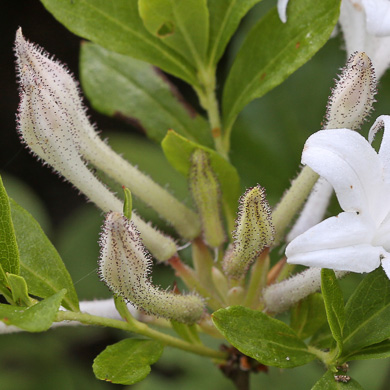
{"x": 266, "y": 147}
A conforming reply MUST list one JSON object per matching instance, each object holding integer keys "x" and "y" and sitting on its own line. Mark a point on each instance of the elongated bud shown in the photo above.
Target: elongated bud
{"x": 53, "y": 124}
{"x": 353, "y": 96}
{"x": 254, "y": 231}
{"x": 125, "y": 266}
{"x": 205, "y": 190}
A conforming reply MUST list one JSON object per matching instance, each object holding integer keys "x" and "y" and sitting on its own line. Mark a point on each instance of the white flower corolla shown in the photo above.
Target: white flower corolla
{"x": 125, "y": 265}
{"x": 366, "y": 28}
{"x": 358, "y": 239}
{"x": 53, "y": 124}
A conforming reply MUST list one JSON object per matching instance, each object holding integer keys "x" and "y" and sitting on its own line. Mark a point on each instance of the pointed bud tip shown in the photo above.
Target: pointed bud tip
{"x": 352, "y": 97}
{"x": 254, "y": 231}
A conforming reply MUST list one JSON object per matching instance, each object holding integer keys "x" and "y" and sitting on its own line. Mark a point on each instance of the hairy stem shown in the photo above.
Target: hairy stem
{"x": 292, "y": 201}
{"x": 143, "y": 329}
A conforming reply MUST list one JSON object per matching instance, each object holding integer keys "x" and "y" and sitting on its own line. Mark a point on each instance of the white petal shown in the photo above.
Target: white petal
{"x": 282, "y": 10}
{"x": 386, "y": 265}
{"x": 341, "y": 243}
{"x": 353, "y": 24}
{"x": 314, "y": 210}
{"x": 377, "y": 17}
{"x": 347, "y": 229}
{"x": 383, "y": 121}
{"x": 358, "y": 258}
{"x": 348, "y": 162}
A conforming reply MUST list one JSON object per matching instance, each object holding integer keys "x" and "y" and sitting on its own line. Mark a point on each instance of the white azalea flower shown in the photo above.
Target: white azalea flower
{"x": 366, "y": 27}
{"x": 358, "y": 239}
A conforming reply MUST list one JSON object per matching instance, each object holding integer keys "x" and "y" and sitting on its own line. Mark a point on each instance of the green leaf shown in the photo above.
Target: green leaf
{"x": 375, "y": 351}
{"x": 37, "y": 318}
{"x": 367, "y": 313}
{"x": 225, "y": 16}
{"x": 334, "y": 305}
{"x": 261, "y": 337}
{"x": 273, "y": 50}
{"x": 308, "y": 316}
{"x": 182, "y": 25}
{"x": 19, "y": 290}
{"x": 40, "y": 263}
{"x": 128, "y": 361}
{"x": 178, "y": 151}
{"x": 117, "y": 26}
{"x": 328, "y": 382}
{"x": 131, "y": 89}
{"x": 9, "y": 254}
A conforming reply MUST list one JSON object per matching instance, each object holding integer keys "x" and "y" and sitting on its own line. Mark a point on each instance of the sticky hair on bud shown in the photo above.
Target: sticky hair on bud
{"x": 125, "y": 266}
{"x": 52, "y": 122}
{"x": 205, "y": 190}
{"x": 352, "y": 98}
{"x": 254, "y": 231}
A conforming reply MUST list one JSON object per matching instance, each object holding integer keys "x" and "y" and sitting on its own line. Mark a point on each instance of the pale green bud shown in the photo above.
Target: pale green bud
{"x": 352, "y": 98}
{"x": 53, "y": 124}
{"x": 254, "y": 231}
{"x": 205, "y": 190}
{"x": 125, "y": 266}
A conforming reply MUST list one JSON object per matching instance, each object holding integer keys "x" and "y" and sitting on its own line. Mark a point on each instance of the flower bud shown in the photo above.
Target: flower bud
{"x": 125, "y": 266}
{"x": 254, "y": 231}
{"x": 53, "y": 124}
{"x": 205, "y": 190}
{"x": 353, "y": 96}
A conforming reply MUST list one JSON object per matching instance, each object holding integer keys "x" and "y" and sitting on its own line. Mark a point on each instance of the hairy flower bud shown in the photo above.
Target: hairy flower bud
{"x": 205, "y": 190}
{"x": 254, "y": 231}
{"x": 353, "y": 96}
{"x": 54, "y": 125}
{"x": 125, "y": 265}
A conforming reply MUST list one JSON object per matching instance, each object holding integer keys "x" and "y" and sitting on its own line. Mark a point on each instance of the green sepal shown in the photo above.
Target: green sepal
{"x": 178, "y": 150}
{"x": 334, "y": 305}
{"x": 269, "y": 341}
{"x": 9, "y": 254}
{"x": 19, "y": 290}
{"x": 36, "y": 318}
{"x": 40, "y": 264}
{"x": 128, "y": 361}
